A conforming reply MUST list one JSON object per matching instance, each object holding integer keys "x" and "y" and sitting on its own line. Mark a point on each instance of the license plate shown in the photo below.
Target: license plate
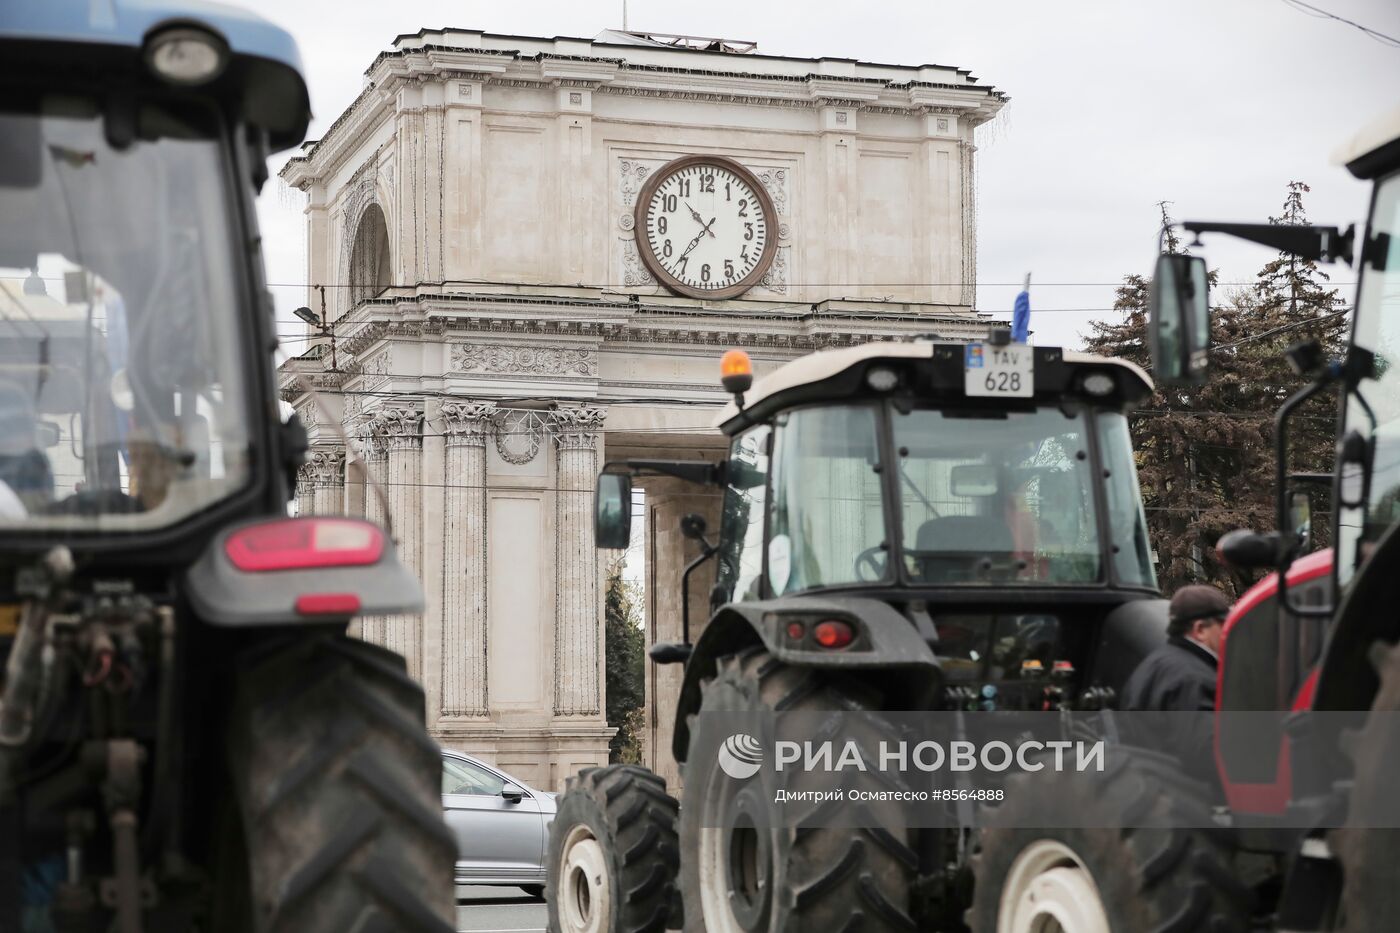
{"x": 999, "y": 372}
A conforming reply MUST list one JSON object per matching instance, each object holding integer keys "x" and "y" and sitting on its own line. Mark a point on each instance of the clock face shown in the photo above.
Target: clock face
{"x": 706, "y": 227}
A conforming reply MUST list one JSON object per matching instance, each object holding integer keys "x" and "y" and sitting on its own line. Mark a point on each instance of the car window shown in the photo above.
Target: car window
{"x": 463, "y": 777}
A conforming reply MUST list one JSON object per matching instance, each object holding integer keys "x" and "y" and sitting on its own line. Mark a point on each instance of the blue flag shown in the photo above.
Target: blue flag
{"x": 1021, "y": 318}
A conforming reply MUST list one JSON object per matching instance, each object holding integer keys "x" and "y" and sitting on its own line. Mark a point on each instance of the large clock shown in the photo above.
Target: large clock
{"x": 706, "y": 227}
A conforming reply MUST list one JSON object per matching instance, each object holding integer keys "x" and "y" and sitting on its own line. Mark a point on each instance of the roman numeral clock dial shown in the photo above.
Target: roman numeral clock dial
{"x": 706, "y": 227}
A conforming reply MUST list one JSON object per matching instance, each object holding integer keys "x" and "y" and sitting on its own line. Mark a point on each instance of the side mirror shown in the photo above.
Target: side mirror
{"x": 1179, "y": 309}
{"x": 1300, "y": 518}
{"x": 612, "y": 511}
{"x": 1248, "y": 550}
{"x": 693, "y": 526}
{"x": 48, "y": 434}
{"x": 512, "y": 792}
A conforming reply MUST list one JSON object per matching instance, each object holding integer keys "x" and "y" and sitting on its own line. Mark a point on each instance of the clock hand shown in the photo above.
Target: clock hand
{"x": 693, "y": 243}
{"x": 708, "y": 226}
{"x": 694, "y": 213}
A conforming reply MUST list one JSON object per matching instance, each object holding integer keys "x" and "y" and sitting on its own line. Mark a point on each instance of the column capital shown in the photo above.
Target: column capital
{"x": 466, "y": 422}
{"x": 326, "y": 467}
{"x": 402, "y": 426}
{"x": 577, "y": 428}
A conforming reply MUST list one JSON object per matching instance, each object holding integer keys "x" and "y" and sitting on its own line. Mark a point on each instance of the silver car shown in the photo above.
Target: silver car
{"x": 501, "y": 825}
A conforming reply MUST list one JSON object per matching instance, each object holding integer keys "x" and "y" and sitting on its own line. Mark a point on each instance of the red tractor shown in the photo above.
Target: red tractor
{"x": 1318, "y": 637}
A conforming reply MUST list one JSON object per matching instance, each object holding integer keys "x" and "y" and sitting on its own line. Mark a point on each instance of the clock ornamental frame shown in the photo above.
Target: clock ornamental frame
{"x": 653, "y": 264}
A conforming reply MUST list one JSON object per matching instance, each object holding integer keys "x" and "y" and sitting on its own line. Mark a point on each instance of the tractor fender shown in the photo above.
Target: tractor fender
{"x": 1129, "y": 633}
{"x": 885, "y": 640}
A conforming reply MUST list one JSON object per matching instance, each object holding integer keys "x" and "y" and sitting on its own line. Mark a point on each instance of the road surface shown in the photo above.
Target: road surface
{"x": 482, "y": 909}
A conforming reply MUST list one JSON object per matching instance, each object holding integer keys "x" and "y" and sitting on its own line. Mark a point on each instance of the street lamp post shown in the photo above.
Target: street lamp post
{"x": 319, "y": 322}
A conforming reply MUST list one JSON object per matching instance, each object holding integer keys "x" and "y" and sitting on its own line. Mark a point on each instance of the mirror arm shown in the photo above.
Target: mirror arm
{"x": 707, "y": 550}
{"x": 1319, "y": 244}
{"x": 1288, "y": 547}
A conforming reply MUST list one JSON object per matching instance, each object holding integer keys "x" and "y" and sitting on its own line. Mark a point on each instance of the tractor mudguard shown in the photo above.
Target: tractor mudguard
{"x": 1129, "y": 633}
{"x": 884, "y": 639}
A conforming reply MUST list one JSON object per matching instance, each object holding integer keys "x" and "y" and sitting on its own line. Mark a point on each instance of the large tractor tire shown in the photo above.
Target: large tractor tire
{"x": 1135, "y": 868}
{"x": 1370, "y": 894}
{"x": 339, "y": 793}
{"x": 612, "y": 853}
{"x": 737, "y": 878}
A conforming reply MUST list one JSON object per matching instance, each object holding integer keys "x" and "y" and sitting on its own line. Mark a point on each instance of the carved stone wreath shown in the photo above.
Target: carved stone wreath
{"x": 518, "y": 435}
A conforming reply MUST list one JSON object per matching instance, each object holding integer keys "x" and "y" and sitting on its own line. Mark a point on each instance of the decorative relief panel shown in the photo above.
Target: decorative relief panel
{"x": 776, "y": 278}
{"x": 635, "y": 274}
{"x": 501, "y": 358}
{"x": 775, "y": 181}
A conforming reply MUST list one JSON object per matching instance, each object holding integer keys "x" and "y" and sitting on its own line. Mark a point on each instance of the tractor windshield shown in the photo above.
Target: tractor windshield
{"x": 122, "y": 385}
{"x": 1374, "y": 409}
{"x": 996, "y": 499}
{"x": 817, "y": 498}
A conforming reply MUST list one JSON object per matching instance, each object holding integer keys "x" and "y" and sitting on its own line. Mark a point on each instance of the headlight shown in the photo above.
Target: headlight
{"x": 185, "y": 55}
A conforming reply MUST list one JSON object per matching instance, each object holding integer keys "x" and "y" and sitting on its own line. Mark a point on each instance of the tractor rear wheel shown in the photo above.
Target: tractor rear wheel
{"x": 1370, "y": 896}
{"x": 339, "y": 792}
{"x": 612, "y": 853}
{"x": 1136, "y": 865}
{"x": 738, "y": 877}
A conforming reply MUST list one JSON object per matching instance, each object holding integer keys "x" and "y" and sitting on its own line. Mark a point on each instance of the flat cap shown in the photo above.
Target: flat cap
{"x": 1197, "y": 602}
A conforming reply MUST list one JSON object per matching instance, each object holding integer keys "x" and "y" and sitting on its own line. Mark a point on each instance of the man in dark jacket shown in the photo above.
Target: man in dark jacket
{"x": 1179, "y": 677}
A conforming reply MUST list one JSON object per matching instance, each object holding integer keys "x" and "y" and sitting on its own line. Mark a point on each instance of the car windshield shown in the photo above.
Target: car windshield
{"x": 995, "y": 499}
{"x": 122, "y": 391}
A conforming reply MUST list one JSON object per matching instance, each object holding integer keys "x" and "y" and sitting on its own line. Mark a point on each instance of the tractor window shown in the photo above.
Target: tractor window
{"x": 122, "y": 382}
{"x": 1132, "y": 557}
{"x": 995, "y": 498}
{"x": 741, "y": 524}
{"x": 827, "y": 525}
{"x": 1377, "y": 329}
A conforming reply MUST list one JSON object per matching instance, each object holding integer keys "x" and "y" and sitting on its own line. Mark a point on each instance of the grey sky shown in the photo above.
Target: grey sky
{"x": 1214, "y": 105}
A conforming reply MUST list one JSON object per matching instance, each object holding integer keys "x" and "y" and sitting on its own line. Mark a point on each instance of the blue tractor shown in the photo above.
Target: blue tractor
{"x": 189, "y": 740}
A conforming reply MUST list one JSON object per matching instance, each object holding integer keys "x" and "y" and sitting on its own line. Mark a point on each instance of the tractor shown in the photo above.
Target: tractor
{"x": 905, "y": 526}
{"x": 189, "y": 740}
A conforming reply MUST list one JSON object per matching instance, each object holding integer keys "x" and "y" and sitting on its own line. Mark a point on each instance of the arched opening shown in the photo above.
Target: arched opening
{"x": 369, "y": 257}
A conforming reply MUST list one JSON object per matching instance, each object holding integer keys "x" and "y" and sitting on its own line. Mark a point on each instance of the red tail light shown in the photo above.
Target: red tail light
{"x": 299, "y": 543}
{"x": 833, "y": 633}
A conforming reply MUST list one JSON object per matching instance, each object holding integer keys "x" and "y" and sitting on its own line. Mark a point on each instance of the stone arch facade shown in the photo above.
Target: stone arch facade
{"x": 370, "y": 269}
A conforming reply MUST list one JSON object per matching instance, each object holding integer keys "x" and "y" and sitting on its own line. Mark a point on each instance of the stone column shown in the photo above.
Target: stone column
{"x": 306, "y": 487}
{"x": 328, "y": 469}
{"x": 577, "y": 691}
{"x": 464, "y": 584}
{"x": 375, "y": 453}
{"x": 403, "y": 435}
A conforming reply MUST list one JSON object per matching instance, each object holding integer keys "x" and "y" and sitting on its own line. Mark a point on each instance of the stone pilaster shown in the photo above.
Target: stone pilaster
{"x": 403, "y": 436}
{"x": 376, "y": 453}
{"x": 464, "y": 583}
{"x": 328, "y": 480}
{"x": 577, "y": 691}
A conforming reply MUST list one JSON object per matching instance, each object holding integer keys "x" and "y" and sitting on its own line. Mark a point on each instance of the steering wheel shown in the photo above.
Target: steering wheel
{"x": 874, "y": 560}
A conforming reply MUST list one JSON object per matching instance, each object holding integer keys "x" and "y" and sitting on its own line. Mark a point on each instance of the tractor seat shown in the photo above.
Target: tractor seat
{"x": 951, "y": 546}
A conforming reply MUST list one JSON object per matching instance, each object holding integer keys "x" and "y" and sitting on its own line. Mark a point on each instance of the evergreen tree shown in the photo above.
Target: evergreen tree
{"x": 1206, "y": 455}
{"x": 624, "y": 670}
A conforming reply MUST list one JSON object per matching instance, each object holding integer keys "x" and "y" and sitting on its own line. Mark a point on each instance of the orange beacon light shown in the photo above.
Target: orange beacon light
{"x": 736, "y": 371}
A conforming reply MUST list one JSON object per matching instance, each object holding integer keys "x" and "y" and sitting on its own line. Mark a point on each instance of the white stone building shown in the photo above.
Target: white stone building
{"x": 501, "y": 331}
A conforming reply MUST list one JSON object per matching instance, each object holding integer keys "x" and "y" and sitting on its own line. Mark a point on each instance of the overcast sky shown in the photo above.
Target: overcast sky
{"x": 1214, "y": 105}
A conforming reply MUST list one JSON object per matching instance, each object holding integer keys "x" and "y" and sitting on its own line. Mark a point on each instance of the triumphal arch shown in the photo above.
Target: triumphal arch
{"x": 534, "y": 251}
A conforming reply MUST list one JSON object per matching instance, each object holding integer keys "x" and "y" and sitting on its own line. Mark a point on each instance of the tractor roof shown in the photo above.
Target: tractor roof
{"x": 126, "y": 24}
{"x": 1374, "y": 149}
{"x": 827, "y": 364}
